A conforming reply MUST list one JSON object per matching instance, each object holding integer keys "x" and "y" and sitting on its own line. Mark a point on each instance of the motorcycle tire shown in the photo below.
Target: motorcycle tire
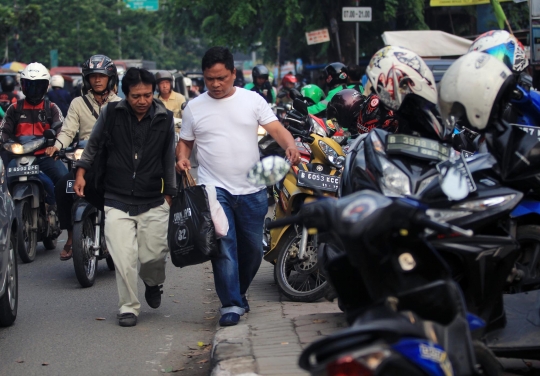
{"x": 50, "y": 243}
{"x": 27, "y": 238}
{"x": 528, "y": 237}
{"x": 486, "y": 361}
{"x": 110, "y": 263}
{"x": 84, "y": 260}
{"x": 296, "y": 283}
{"x": 9, "y": 301}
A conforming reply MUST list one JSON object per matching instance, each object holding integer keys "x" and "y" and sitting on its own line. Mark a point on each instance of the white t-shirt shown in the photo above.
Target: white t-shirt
{"x": 225, "y": 131}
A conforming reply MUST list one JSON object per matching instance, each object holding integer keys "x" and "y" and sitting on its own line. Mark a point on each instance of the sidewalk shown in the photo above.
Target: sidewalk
{"x": 269, "y": 339}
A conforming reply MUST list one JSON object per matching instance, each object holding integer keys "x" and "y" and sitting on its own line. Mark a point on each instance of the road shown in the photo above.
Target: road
{"x": 63, "y": 329}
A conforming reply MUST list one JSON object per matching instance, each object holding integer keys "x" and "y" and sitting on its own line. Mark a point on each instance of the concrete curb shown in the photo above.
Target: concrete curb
{"x": 269, "y": 339}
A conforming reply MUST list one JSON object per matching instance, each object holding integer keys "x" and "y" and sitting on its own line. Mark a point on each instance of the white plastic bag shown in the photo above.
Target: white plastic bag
{"x": 221, "y": 223}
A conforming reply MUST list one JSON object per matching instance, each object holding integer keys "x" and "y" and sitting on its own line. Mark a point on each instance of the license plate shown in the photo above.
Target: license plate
{"x": 416, "y": 147}
{"x": 533, "y": 131}
{"x": 317, "y": 180}
{"x": 23, "y": 170}
{"x": 69, "y": 186}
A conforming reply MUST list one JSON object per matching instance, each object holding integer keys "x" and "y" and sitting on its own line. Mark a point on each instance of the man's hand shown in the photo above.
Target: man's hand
{"x": 51, "y": 150}
{"x": 78, "y": 187}
{"x": 183, "y": 165}
{"x": 168, "y": 198}
{"x": 293, "y": 155}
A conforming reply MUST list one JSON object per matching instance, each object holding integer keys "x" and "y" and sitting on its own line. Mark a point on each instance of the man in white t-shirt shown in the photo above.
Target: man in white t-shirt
{"x": 224, "y": 122}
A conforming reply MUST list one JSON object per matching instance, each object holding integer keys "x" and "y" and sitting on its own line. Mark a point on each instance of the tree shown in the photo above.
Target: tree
{"x": 13, "y": 19}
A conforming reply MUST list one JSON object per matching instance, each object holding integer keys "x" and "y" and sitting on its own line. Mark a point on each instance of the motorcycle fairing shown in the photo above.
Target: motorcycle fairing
{"x": 526, "y": 207}
{"x": 427, "y": 355}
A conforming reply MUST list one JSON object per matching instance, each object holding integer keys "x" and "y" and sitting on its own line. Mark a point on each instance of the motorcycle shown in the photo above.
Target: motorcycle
{"x": 414, "y": 320}
{"x": 292, "y": 249}
{"x": 36, "y": 222}
{"x": 484, "y": 265}
{"x": 89, "y": 244}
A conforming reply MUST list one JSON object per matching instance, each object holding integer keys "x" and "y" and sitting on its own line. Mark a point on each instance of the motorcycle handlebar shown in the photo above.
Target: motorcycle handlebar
{"x": 303, "y": 134}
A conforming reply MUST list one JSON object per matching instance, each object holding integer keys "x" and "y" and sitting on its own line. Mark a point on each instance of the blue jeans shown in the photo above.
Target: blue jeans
{"x": 50, "y": 171}
{"x": 241, "y": 250}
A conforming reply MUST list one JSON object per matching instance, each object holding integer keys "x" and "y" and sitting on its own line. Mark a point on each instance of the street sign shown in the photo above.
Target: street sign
{"x": 318, "y": 36}
{"x": 151, "y": 5}
{"x": 356, "y": 14}
{"x": 53, "y": 54}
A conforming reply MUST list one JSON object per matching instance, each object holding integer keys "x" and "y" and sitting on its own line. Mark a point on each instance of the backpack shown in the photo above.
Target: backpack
{"x": 47, "y": 106}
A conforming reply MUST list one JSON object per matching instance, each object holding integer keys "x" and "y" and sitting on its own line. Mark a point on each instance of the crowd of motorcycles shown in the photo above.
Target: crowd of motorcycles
{"x": 429, "y": 238}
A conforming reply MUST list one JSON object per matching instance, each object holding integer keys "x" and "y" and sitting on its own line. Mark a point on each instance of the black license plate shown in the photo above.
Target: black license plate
{"x": 69, "y": 186}
{"x": 317, "y": 180}
{"x": 533, "y": 131}
{"x": 416, "y": 147}
{"x": 23, "y": 170}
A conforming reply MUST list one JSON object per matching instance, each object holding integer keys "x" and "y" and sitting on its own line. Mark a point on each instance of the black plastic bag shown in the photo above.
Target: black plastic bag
{"x": 191, "y": 236}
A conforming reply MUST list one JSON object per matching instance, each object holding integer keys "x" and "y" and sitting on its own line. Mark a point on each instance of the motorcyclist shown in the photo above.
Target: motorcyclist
{"x": 524, "y": 107}
{"x": 33, "y": 115}
{"x": 171, "y": 99}
{"x": 288, "y": 90}
{"x": 261, "y": 84}
{"x": 58, "y": 94}
{"x": 313, "y": 93}
{"x": 8, "y": 96}
{"x": 336, "y": 79}
{"x": 99, "y": 79}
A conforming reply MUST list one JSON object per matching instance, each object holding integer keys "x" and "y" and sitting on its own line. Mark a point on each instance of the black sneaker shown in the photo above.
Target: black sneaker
{"x": 245, "y": 304}
{"x": 153, "y": 295}
{"x": 127, "y": 319}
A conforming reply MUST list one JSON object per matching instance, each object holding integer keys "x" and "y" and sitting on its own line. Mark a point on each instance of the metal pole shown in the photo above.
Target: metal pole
{"x": 357, "y": 39}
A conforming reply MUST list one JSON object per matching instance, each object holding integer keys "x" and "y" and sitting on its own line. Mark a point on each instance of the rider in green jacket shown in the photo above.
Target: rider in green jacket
{"x": 336, "y": 78}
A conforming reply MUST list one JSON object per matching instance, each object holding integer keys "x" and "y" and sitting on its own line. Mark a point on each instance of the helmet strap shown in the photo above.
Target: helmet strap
{"x": 102, "y": 96}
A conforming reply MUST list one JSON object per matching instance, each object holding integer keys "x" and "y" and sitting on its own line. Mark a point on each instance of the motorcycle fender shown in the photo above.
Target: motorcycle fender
{"x": 22, "y": 191}
{"x": 81, "y": 209}
{"x": 526, "y": 207}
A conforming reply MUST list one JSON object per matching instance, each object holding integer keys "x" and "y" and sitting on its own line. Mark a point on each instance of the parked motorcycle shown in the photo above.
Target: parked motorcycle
{"x": 36, "y": 223}
{"x": 292, "y": 249}
{"x": 89, "y": 244}
{"x": 413, "y": 319}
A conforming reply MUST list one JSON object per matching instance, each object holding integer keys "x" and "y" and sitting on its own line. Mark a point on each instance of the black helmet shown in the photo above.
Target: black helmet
{"x": 164, "y": 75}
{"x": 260, "y": 71}
{"x": 344, "y": 108}
{"x": 8, "y": 83}
{"x": 99, "y": 64}
{"x": 336, "y": 73}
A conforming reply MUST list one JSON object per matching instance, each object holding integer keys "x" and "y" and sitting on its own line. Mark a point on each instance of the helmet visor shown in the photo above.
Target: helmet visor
{"x": 34, "y": 90}
{"x": 503, "y": 52}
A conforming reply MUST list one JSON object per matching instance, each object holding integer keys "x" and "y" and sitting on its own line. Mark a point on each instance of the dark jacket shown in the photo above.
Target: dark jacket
{"x": 126, "y": 175}
{"x": 62, "y": 99}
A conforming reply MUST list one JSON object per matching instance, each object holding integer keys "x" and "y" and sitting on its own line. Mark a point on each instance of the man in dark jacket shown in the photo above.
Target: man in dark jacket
{"x": 58, "y": 94}
{"x": 137, "y": 137}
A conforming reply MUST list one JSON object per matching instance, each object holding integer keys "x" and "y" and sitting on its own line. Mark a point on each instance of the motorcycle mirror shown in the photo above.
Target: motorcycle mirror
{"x": 49, "y": 134}
{"x": 300, "y": 106}
{"x": 56, "y": 125}
{"x": 268, "y": 171}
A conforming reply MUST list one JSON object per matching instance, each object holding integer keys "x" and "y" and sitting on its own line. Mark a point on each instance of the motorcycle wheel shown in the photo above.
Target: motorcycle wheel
{"x": 27, "y": 238}
{"x": 9, "y": 301}
{"x": 299, "y": 281}
{"x": 84, "y": 259}
{"x": 110, "y": 262}
{"x": 528, "y": 237}
{"x": 486, "y": 361}
{"x": 49, "y": 243}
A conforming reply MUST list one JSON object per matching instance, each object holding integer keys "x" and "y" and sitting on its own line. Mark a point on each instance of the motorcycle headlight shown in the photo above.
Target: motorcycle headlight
{"x": 394, "y": 182}
{"x": 75, "y": 156}
{"x": 331, "y": 155}
{"x": 446, "y": 215}
{"x": 483, "y": 204}
{"x": 16, "y": 148}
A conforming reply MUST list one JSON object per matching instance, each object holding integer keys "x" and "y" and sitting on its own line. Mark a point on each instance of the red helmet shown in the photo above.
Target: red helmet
{"x": 289, "y": 79}
{"x": 374, "y": 115}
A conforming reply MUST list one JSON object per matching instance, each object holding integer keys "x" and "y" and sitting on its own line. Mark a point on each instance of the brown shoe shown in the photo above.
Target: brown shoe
{"x": 66, "y": 253}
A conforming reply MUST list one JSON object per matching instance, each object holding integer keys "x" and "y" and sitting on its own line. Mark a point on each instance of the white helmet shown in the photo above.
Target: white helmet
{"x": 35, "y": 82}
{"x": 57, "y": 81}
{"x": 396, "y": 72}
{"x": 471, "y": 87}
{"x": 503, "y": 46}
{"x": 187, "y": 81}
